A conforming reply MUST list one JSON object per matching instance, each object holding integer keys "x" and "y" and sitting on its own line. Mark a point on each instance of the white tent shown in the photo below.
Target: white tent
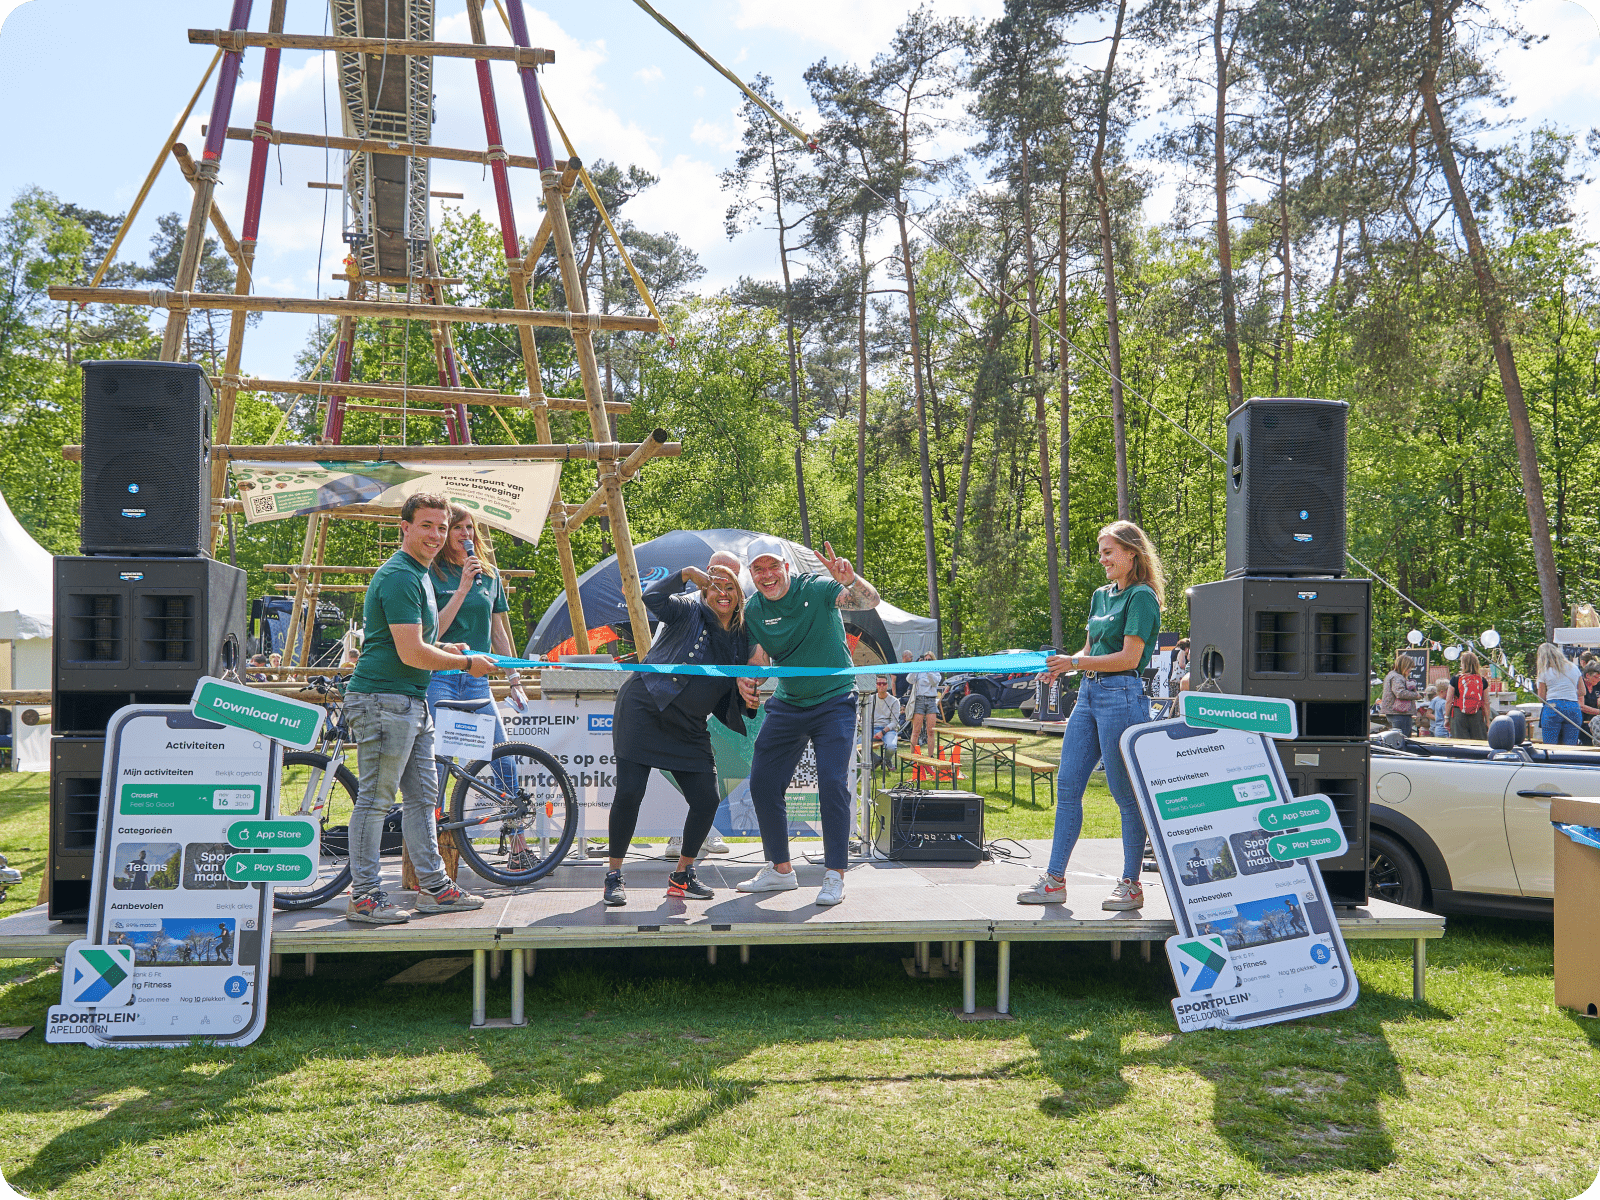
{"x": 26, "y": 605}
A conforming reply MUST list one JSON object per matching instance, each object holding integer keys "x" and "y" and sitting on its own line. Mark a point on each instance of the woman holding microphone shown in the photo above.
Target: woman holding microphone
{"x": 660, "y": 720}
{"x": 1124, "y": 618}
{"x": 474, "y": 615}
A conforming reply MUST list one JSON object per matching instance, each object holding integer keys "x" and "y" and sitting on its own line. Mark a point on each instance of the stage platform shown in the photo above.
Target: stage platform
{"x": 951, "y": 906}
{"x": 1024, "y": 725}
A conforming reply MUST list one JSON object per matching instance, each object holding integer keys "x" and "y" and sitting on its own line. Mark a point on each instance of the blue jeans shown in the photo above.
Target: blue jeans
{"x": 831, "y": 728}
{"x": 394, "y": 751}
{"x": 458, "y": 685}
{"x": 1104, "y": 709}
{"x": 1559, "y": 722}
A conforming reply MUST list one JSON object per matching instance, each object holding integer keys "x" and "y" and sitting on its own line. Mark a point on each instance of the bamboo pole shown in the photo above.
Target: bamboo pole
{"x": 205, "y": 186}
{"x": 317, "y": 141}
{"x": 582, "y": 331}
{"x": 185, "y": 301}
{"x": 191, "y": 172}
{"x": 559, "y": 452}
{"x": 333, "y": 419}
{"x": 155, "y": 170}
{"x": 234, "y": 39}
{"x": 626, "y": 470}
{"x": 569, "y": 180}
{"x": 307, "y": 547}
{"x": 517, "y": 272}
{"x": 308, "y": 622}
{"x": 335, "y": 569}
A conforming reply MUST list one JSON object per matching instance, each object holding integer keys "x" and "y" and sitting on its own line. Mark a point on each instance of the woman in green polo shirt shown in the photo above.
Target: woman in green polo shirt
{"x": 1124, "y": 617}
{"x": 473, "y": 613}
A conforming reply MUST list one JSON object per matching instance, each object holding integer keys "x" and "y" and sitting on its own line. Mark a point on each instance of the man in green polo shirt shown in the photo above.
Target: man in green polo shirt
{"x": 794, "y": 621}
{"x": 388, "y": 712}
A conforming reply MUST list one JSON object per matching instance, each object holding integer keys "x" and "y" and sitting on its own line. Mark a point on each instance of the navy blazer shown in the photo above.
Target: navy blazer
{"x": 689, "y": 632}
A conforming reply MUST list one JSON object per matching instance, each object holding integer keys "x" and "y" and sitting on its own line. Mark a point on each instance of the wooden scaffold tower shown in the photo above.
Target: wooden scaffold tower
{"x": 385, "y": 80}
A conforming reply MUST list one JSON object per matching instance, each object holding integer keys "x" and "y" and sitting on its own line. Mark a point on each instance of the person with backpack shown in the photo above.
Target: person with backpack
{"x": 1469, "y": 718}
{"x": 1399, "y": 702}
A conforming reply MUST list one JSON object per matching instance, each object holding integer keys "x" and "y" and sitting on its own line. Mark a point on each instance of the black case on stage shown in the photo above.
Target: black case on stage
{"x": 911, "y": 825}
{"x": 74, "y": 821}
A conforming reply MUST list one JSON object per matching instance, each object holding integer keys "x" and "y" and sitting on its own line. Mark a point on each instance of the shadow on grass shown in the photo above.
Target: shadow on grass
{"x": 1303, "y": 1097}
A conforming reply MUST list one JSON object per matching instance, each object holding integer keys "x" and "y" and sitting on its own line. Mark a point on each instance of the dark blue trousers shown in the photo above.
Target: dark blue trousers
{"x": 831, "y": 728}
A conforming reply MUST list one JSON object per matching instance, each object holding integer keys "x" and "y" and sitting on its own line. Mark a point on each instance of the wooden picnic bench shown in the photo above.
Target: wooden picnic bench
{"x": 1036, "y": 768}
{"x": 994, "y": 746}
{"x": 939, "y": 766}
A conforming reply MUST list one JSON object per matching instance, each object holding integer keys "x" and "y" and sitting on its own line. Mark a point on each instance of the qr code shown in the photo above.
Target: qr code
{"x": 263, "y": 504}
{"x": 805, "y": 775}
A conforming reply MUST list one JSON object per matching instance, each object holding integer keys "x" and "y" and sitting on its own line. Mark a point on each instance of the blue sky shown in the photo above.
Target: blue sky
{"x": 89, "y": 89}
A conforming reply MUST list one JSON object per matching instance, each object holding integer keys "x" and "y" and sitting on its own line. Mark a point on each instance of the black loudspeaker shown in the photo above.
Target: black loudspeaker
{"x": 146, "y": 459}
{"x": 928, "y": 826}
{"x": 139, "y": 631}
{"x": 1306, "y": 640}
{"x": 1286, "y": 487}
{"x": 1342, "y": 771}
{"x": 74, "y": 820}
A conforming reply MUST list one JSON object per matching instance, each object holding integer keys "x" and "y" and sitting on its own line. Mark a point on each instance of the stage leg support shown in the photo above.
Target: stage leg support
{"x": 480, "y": 987}
{"x": 530, "y": 959}
{"x": 311, "y": 965}
{"x": 1116, "y": 951}
{"x": 495, "y": 957}
{"x": 275, "y": 969}
{"x": 711, "y": 955}
{"x": 969, "y": 977}
{"x": 1144, "y": 951}
{"x": 1002, "y": 990}
{"x": 744, "y": 955}
{"x": 519, "y": 981}
{"x": 1419, "y": 969}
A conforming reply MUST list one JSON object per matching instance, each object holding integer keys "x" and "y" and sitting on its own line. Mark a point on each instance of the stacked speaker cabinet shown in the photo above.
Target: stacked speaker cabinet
{"x": 145, "y": 612}
{"x": 1285, "y": 622}
{"x": 127, "y": 631}
{"x": 146, "y": 451}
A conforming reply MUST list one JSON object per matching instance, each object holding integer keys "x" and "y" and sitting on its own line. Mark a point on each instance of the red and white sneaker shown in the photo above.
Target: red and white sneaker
{"x": 1127, "y": 895}
{"x": 1051, "y": 889}
{"x": 449, "y": 898}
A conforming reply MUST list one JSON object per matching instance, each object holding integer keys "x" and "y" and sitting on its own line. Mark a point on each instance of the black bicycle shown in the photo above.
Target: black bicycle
{"x": 513, "y": 815}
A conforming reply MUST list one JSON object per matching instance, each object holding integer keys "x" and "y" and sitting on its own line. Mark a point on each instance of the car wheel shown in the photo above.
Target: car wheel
{"x": 1393, "y": 873}
{"x": 974, "y": 709}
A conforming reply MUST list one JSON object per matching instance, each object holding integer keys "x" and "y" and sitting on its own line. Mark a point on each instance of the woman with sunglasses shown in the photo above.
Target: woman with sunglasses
{"x": 660, "y": 720}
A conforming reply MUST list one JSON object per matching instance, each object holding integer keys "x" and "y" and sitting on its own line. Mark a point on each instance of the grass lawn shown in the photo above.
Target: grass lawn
{"x": 819, "y": 1073}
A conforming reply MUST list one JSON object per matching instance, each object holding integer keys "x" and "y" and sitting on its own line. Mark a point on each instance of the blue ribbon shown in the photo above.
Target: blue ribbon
{"x": 988, "y": 664}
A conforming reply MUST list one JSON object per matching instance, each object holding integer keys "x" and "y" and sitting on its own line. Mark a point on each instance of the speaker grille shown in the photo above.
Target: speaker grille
{"x": 146, "y": 430}
{"x": 1286, "y": 487}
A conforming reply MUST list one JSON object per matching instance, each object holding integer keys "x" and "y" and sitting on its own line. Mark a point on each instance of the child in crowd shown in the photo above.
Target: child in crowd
{"x": 1440, "y": 705}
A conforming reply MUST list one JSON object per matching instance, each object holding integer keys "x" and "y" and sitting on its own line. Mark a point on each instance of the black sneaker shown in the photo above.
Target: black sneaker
{"x": 683, "y": 883}
{"x": 616, "y": 895}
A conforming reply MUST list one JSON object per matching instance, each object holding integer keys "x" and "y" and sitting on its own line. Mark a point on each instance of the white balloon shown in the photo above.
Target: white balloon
{"x": 1415, "y": 637}
{"x": 1452, "y": 652}
{"x": 1489, "y": 638}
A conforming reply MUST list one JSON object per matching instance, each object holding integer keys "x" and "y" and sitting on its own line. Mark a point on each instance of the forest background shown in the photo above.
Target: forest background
{"x": 970, "y": 362}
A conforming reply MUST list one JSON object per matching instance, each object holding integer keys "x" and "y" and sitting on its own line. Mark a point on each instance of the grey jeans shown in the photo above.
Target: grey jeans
{"x": 394, "y": 751}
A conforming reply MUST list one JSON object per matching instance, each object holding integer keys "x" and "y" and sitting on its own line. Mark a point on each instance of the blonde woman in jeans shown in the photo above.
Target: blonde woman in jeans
{"x": 1399, "y": 699}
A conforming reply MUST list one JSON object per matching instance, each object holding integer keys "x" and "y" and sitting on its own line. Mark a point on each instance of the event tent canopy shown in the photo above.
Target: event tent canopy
{"x": 889, "y": 629}
{"x": 27, "y": 583}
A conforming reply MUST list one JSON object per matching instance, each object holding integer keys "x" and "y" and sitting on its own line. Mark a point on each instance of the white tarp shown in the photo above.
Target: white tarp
{"x": 510, "y": 494}
{"x": 26, "y": 583}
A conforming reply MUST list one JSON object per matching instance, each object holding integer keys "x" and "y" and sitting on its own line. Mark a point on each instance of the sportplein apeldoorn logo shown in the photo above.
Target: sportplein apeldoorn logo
{"x": 1206, "y": 967}
{"x": 97, "y": 975}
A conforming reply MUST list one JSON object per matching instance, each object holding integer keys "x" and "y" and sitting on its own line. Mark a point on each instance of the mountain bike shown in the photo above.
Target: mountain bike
{"x": 513, "y": 815}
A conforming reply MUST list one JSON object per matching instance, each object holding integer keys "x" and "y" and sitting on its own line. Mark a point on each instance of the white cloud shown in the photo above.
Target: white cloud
{"x": 650, "y": 75}
{"x": 857, "y": 29}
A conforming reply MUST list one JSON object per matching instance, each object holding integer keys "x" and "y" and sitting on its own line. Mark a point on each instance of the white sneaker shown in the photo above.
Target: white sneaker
{"x": 712, "y": 845}
{"x": 768, "y": 879}
{"x": 832, "y": 890}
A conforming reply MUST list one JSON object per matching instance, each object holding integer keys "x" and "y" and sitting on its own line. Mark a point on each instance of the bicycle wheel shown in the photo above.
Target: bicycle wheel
{"x": 302, "y": 777}
{"x": 515, "y": 820}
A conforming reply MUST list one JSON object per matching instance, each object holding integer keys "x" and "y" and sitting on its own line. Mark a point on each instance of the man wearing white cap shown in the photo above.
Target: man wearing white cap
{"x": 794, "y": 621}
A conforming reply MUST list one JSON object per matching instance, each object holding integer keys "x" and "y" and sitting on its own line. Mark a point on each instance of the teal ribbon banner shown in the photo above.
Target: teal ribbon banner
{"x": 988, "y": 664}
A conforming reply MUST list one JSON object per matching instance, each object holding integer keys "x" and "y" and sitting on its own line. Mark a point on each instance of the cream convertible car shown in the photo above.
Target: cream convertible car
{"x": 1467, "y": 828}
